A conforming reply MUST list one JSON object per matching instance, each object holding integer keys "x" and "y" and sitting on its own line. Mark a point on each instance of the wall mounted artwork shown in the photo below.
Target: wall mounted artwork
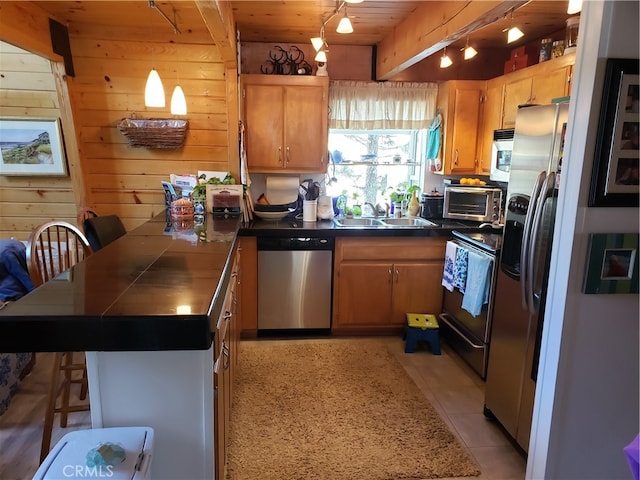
{"x": 612, "y": 264}
{"x": 615, "y": 180}
{"x": 31, "y": 146}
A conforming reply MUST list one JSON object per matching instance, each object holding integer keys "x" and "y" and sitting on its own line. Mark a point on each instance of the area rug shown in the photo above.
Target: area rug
{"x": 336, "y": 410}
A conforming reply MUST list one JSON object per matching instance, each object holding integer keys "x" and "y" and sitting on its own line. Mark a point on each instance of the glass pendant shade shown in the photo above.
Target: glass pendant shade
{"x": 574, "y": 6}
{"x": 514, "y": 34}
{"x": 469, "y": 52}
{"x": 178, "y": 102}
{"x": 321, "y": 57}
{"x": 345, "y": 25}
{"x": 445, "y": 61}
{"x": 353, "y": 1}
{"x": 154, "y": 91}
{"x": 317, "y": 43}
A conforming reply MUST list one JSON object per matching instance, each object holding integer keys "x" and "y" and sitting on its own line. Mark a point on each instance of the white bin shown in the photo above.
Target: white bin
{"x": 68, "y": 459}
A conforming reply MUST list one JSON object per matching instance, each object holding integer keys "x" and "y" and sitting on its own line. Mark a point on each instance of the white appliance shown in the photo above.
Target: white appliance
{"x": 501, "y": 151}
{"x": 68, "y": 459}
{"x": 524, "y": 267}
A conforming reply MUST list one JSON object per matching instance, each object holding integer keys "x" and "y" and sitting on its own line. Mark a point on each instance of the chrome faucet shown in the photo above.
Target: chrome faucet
{"x": 374, "y": 208}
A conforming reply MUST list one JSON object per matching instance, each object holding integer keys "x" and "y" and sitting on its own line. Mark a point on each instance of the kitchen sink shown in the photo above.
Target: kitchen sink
{"x": 407, "y": 222}
{"x": 414, "y": 222}
{"x": 358, "y": 222}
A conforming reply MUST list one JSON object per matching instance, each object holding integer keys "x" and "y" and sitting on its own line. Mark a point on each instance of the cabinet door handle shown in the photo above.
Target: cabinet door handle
{"x": 226, "y": 355}
{"x": 288, "y": 155}
{"x": 390, "y": 275}
{"x": 455, "y": 161}
{"x": 280, "y": 155}
{"x": 397, "y": 274}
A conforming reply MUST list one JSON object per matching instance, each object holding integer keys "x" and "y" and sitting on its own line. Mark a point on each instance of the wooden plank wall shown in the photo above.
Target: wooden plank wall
{"x": 109, "y": 86}
{"x": 111, "y": 67}
{"x": 28, "y": 89}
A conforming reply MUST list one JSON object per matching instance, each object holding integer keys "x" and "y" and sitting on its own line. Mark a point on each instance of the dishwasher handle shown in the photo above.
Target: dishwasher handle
{"x": 295, "y": 243}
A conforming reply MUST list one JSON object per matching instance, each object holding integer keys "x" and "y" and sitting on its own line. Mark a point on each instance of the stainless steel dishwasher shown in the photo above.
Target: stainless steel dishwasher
{"x": 294, "y": 284}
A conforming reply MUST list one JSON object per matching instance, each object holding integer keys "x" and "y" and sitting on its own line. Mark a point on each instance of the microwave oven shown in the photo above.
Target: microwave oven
{"x": 501, "y": 151}
{"x": 480, "y": 204}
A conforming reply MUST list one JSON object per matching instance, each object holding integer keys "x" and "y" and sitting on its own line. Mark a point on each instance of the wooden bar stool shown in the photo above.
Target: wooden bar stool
{"x": 53, "y": 248}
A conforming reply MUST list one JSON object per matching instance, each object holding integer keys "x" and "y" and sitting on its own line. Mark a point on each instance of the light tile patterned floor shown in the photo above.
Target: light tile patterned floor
{"x": 457, "y": 393}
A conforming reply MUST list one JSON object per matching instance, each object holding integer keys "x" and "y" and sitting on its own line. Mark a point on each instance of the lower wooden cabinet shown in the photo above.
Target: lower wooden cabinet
{"x": 378, "y": 280}
{"x": 225, "y": 354}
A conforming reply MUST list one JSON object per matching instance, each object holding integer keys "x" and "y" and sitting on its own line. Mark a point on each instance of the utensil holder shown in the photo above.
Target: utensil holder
{"x": 310, "y": 211}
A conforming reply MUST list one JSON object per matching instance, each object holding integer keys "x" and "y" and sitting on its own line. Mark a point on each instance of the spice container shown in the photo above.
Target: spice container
{"x": 545, "y": 49}
{"x": 571, "y": 34}
{"x": 557, "y": 49}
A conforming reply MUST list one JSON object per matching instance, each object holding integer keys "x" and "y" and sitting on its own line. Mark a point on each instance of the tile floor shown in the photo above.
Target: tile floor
{"x": 457, "y": 393}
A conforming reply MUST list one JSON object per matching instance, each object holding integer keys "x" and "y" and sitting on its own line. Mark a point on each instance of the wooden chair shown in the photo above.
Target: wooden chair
{"x": 53, "y": 248}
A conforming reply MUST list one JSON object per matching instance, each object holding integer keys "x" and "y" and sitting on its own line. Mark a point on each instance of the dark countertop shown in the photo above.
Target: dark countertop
{"x": 125, "y": 297}
{"x": 442, "y": 227}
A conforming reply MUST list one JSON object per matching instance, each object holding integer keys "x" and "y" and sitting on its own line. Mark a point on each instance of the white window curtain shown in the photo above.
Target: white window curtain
{"x": 387, "y": 105}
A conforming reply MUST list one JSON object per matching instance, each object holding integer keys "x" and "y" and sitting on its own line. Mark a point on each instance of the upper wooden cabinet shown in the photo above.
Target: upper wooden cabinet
{"x": 491, "y": 120}
{"x": 286, "y": 123}
{"x": 459, "y": 104}
{"x": 536, "y": 85}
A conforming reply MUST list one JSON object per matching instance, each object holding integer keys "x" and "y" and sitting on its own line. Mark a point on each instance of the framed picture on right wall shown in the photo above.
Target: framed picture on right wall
{"x": 612, "y": 264}
{"x": 615, "y": 180}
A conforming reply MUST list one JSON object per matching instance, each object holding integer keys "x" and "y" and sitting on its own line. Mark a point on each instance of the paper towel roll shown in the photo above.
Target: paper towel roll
{"x": 282, "y": 189}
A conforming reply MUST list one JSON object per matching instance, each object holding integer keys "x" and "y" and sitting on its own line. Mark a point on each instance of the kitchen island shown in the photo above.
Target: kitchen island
{"x": 146, "y": 309}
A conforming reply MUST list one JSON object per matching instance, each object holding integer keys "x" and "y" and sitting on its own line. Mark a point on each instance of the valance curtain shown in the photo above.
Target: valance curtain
{"x": 388, "y": 105}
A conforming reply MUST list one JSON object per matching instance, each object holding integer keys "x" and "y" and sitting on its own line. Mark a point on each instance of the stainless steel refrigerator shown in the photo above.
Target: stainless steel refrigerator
{"x": 523, "y": 273}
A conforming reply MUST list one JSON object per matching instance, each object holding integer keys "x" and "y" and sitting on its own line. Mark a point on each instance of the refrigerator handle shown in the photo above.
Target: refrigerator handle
{"x": 548, "y": 186}
{"x": 526, "y": 239}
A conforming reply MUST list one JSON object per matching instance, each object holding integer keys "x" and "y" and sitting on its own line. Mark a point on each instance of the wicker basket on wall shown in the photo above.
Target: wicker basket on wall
{"x": 154, "y": 132}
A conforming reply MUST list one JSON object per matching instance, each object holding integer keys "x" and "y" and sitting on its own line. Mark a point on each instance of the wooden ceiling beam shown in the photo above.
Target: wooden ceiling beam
{"x": 218, "y": 18}
{"x": 433, "y": 26}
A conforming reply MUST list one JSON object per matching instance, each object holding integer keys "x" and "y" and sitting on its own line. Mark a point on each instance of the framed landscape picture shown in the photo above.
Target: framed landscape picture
{"x": 615, "y": 181}
{"x": 31, "y": 146}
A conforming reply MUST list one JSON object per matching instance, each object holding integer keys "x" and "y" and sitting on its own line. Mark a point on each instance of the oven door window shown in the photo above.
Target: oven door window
{"x": 467, "y": 203}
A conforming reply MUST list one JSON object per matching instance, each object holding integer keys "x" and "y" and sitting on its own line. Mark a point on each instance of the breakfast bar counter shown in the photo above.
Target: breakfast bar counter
{"x": 145, "y": 309}
{"x": 155, "y": 288}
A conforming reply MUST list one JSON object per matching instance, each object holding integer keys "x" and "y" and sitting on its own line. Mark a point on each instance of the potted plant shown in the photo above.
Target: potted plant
{"x": 357, "y": 208}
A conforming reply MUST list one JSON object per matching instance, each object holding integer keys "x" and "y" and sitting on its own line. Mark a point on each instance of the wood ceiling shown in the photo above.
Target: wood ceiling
{"x": 375, "y": 22}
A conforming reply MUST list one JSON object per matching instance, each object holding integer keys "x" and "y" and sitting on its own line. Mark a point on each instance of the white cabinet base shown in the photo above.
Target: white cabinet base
{"x": 170, "y": 391}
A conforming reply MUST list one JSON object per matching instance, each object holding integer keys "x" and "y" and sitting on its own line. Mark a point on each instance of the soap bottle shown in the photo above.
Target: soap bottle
{"x": 414, "y": 205}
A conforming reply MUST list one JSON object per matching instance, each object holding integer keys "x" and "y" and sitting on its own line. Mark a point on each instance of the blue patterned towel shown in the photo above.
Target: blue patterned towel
{"x": 449, "y": 260}
{"x": 478, "y": 283}
{"x": 460, "y": 269}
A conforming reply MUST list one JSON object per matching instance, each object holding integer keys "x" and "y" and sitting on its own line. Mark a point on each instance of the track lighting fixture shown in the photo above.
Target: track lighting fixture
{"x": 345, "y": 24}
{"x": 513, "y": 33}
{"x": 344, "y": 27}
{"x": 575, "y": 6}
{"x": 445, "y": 61}
{"x": 469, "y": 51}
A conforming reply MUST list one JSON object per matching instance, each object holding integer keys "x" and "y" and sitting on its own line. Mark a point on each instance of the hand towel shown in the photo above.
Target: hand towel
{"x": 449, "y": 260}
{"x": 477, "y": 288}
{"x": 433, "y": 137}
{"x": 460, "y": 268}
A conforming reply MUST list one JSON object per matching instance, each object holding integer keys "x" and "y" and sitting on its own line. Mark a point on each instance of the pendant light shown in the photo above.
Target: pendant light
{"x": 469, "y": 51}
{"x": 513, "y": 33}
{"x": 345, "y": 24}
{"x": 178, "y": 102}
{"x": 321, "y": 56}
{"x": 154, "y": 91}
{"x": 574, "y": 6}
{"x": 445, "y": 61}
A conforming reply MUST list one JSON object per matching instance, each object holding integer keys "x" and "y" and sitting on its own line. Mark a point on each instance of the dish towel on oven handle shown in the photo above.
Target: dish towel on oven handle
{"x": 449, "y": 261}
{"x": 460, "y": 268}
{"x": 478, "y": 283}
